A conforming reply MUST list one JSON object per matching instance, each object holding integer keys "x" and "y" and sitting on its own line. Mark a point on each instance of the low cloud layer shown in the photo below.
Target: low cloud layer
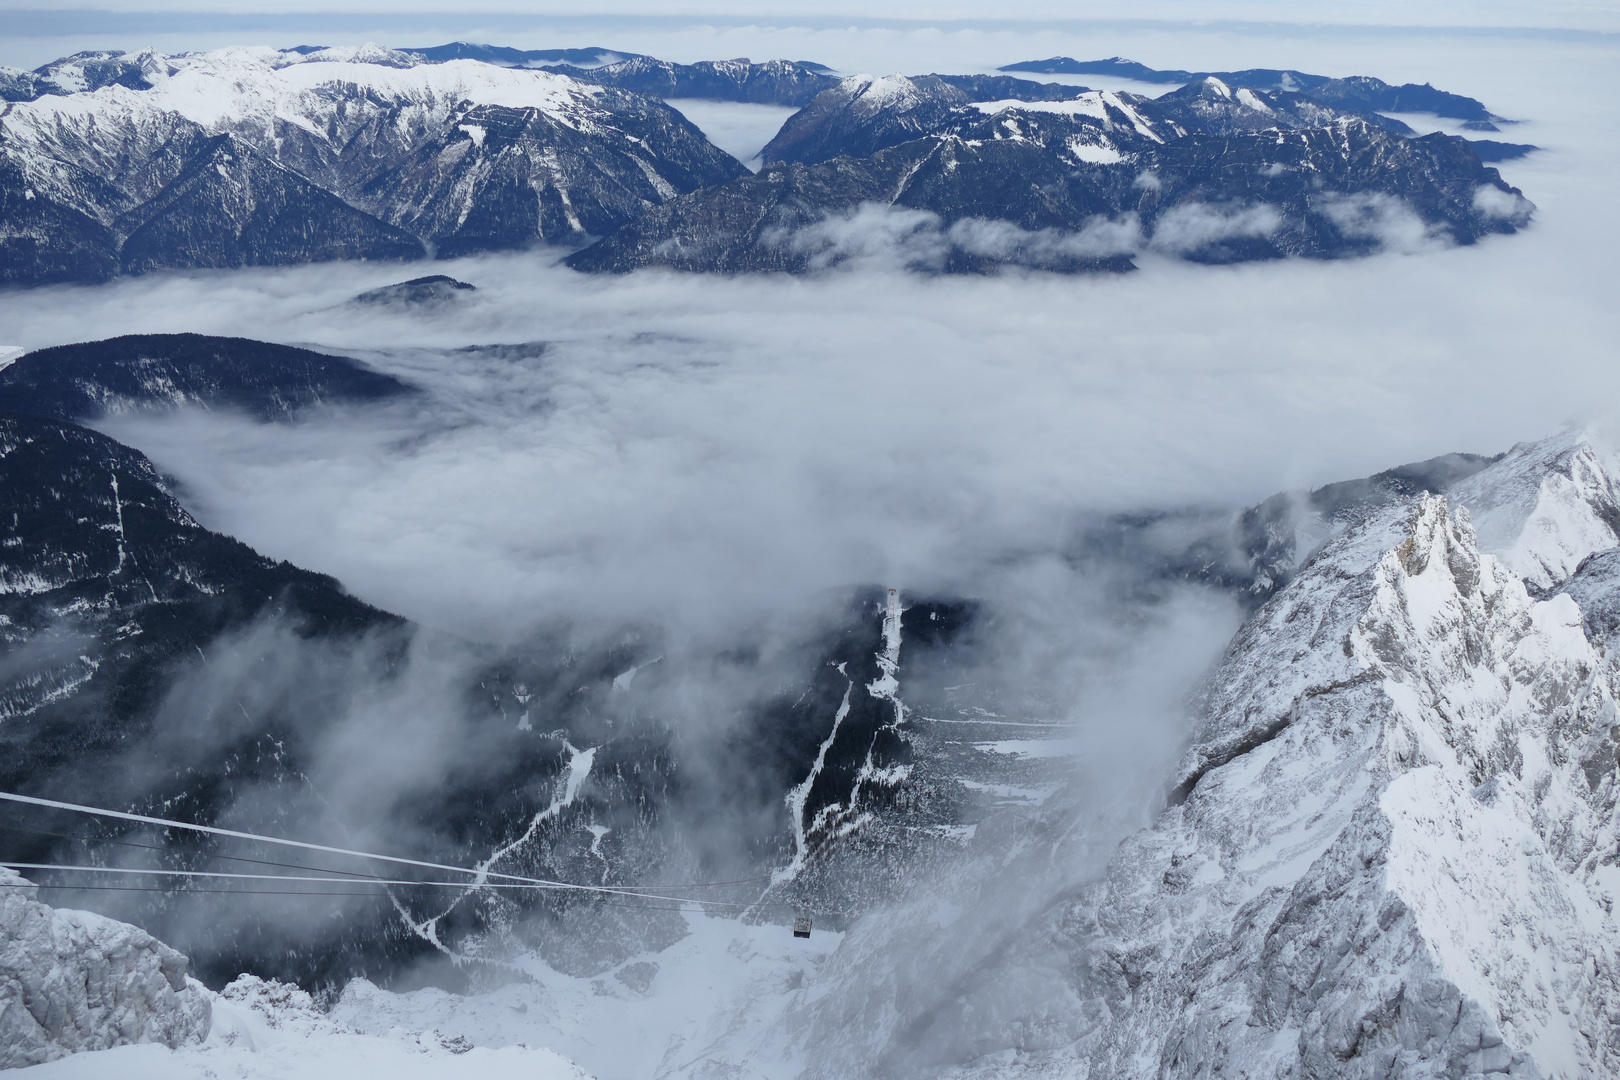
{"x": 693, "y": 443}
{"x": 717, "y": 456}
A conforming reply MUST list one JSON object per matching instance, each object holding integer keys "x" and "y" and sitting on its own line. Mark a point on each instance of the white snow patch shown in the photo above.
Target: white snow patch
{"x": 713, "y": 1007}
{"x": 1091, "y": 105}
{"x": 1094, "y": 154}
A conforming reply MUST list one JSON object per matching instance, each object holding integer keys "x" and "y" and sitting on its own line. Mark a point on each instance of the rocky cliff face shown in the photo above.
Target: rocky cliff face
{"x": 72, "y": 981}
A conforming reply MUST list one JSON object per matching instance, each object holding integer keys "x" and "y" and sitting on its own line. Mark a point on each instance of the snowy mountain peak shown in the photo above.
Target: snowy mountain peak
{"x": 869, "y": 94}
{"x": 369, "y": 53}
{"x": 1547, "y": 505}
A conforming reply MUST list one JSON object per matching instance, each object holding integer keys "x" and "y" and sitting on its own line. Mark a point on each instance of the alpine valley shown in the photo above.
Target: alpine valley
{"x": 1317, "y": 783}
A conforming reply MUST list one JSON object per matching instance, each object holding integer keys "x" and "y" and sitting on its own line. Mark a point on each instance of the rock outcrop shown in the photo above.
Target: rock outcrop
{"x": 74, "y": 980}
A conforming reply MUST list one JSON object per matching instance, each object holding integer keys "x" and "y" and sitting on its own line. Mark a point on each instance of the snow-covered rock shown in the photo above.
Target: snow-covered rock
{"x": 1546, "y": 506}
{"x": 1391, "y": 857}
{"x": 268, "y": 1029}
{"x": 72, "y": 981}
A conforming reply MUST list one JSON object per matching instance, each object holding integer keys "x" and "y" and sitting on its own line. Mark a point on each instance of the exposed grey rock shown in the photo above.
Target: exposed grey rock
{"x": 1595, "y": 586}
{"x": 72, "y": 981}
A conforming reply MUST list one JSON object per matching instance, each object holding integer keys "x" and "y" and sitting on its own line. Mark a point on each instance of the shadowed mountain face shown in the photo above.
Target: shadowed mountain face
{"x": 108, "y": 581}
{"x": 267, "y": 381}
{"x": 43, "y": 242}
{"x": 233, "y": 207}
{"x": 1317, "y": 192}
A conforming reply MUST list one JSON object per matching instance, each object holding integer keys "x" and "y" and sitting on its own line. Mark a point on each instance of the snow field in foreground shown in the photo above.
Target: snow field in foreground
{"x": 717, "y": 991}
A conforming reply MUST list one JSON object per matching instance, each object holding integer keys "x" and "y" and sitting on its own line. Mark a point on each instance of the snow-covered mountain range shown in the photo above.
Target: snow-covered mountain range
{"x": 1207, "y": 172}
{"x": 260, "y": 157}
{"x": 114, "y": 163}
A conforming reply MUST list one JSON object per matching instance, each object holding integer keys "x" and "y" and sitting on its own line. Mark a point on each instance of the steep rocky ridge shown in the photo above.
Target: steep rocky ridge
{"x": 1389, "y": 851}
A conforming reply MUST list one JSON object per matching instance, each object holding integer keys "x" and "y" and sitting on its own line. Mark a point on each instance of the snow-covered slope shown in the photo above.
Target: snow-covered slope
{"x": 1547, "y": 506}
{"x": 1391, "y": 854}
{"x": 268, "y": 1029}
{"x": 74, "y": 980}
{"x": 95, "y": 997}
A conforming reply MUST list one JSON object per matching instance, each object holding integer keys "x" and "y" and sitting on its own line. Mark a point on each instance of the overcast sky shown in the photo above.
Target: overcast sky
{"x": 36, "y": 32}
{"x": 1545, "y": 13}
